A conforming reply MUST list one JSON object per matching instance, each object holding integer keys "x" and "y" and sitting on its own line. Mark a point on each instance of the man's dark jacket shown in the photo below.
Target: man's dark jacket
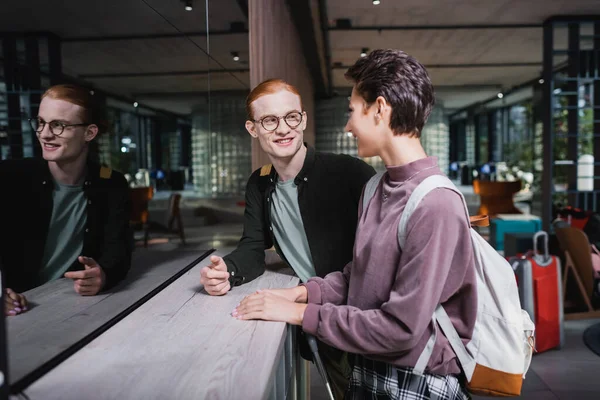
{"x": 329, "y": 189}
{"x": 26, "y": 209}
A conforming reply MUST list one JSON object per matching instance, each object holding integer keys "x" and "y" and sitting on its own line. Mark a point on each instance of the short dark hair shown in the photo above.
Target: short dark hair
{"x": 402, "y": 81}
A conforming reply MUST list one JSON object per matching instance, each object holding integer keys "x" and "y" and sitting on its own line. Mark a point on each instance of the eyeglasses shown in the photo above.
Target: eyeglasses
{"x": 271, "y": 122}
{"x": 56, "y": 127}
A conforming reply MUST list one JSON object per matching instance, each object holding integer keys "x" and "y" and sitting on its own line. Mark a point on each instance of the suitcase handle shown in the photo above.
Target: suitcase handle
{"x": 546, "y": 254}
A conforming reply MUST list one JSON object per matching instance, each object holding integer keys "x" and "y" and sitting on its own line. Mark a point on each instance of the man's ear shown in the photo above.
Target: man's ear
{"x": 91, "y": 132}
{"x": 251, "y": 128}
{"x": 304, "y": 120}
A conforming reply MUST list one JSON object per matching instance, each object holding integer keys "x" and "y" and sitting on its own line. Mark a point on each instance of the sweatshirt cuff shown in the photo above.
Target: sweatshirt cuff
{"x": 310, "y": 321}
{"x": 313, "y": 292}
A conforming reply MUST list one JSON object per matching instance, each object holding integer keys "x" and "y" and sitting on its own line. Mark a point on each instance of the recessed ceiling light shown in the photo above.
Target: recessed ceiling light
{"x": 235, "y": 55}
{"x": 135, "y": 104}
{"x": 364, "y": 51}
{"x": 376, "y": 2}
{"x": 500, "y": 95}
{"x": 188, "y": 5}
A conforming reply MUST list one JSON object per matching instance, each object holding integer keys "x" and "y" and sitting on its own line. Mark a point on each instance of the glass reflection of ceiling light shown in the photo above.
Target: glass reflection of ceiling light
{"x": 541, "y": 81}
{"x": 500, "y": 95}
{"x": 126, "y": 140}
{"x": 349, "y": 134}
{"x": 135, "y": 104}
{"x": 557, "y": 91}
{"x": 123, "y": 149}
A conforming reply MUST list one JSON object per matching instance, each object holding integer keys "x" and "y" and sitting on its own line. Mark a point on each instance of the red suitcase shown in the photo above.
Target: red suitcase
{"x": 540, "y": 290}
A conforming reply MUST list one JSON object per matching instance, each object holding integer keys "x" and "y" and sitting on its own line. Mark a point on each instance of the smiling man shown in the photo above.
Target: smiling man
{"x": 63, "y": 215}
{"x": 305, "y": 203}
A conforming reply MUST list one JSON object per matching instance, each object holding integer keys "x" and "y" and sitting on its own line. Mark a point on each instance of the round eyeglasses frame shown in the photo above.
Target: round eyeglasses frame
{"x": 38, "y": 126}
{"x": 292, "y": 126}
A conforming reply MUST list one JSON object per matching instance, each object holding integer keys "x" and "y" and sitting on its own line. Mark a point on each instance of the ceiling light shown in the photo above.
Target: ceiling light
{"x": 188, "y": 5}
{"x": 364, "y": 51}
{"x": 376, "y": 2}
{"x": 500, "y": 95}
{"x": 135, "y": 104}
{"x": 541, "y": 81}
{"x": 235, "y": 55}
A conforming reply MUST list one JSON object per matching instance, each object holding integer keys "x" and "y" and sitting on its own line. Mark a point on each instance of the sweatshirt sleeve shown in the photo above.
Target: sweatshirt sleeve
{"x": 437, "y": 255}
{"x": 332, "y": 289}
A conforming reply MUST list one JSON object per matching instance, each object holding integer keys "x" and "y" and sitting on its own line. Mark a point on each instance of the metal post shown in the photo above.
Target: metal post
{"x": 573, "y": 112}
{"x": 547, "y": 138}
{"x": 491, "y": 128}
{"x": 595, "y": 73}
{"x": 477, "y": 124}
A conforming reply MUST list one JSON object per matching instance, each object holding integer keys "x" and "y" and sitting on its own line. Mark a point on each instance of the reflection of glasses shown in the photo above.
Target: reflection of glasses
{"x": 56, "y": 127}
{"x": 270, "y": 122}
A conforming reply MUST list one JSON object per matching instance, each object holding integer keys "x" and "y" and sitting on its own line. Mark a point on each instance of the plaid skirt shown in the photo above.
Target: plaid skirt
{"x": 379, "y": 380}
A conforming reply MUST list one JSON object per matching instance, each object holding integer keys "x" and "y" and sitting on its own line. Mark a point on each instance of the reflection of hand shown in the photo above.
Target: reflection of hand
{"x": 14, "y": 303}
{"x": 215, "y": 278}
{"x": 268, "y": 306}
{"x": 296, "y": 294}
{"x": 89, "y": 281}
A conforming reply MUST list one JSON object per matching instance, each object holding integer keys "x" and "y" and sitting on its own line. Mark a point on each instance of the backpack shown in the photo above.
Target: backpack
{"x": 499, "y": 354}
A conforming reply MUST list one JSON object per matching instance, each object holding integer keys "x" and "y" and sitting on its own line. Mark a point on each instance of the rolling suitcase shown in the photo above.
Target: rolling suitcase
{"x": 540, "y": 290}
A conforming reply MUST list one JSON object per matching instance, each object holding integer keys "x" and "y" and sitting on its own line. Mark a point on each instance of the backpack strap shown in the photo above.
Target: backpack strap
{"x": 266, "y": 169}
{"x": 370, "y": 188}
{"x": 439, "y": 317}
{"x": 105, "y": 172}
{"x": 266, "y": 174}
{"x": 427, "y": 185}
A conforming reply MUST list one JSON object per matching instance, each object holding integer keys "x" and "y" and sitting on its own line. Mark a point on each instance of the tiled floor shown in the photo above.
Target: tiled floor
{"x": 572, "y": 373}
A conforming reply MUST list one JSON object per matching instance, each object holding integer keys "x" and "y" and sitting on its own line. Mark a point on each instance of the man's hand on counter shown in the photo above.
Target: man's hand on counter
{"x": 89, "y": 281}
{"x": 269, "y": 306}
{"x": 215, "y": 278}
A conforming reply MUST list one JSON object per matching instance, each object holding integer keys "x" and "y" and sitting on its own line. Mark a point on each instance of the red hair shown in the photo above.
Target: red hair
{"x": 270, "y": 86}
{"x": 92, "y": 113}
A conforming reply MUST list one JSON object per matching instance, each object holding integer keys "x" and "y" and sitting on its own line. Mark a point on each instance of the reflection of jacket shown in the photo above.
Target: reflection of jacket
{"x": 26, "y": 208}
{"x": 329, "y": 189}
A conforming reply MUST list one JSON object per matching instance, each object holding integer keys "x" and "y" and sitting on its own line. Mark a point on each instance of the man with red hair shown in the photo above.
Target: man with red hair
{"x": 305, "y": 203}
{"x": 65, "y": 215}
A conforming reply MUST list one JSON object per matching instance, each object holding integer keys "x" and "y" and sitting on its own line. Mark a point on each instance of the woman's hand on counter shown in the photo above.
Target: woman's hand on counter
{"x": 269, "y": 306}
{"x": 296, "y": 294}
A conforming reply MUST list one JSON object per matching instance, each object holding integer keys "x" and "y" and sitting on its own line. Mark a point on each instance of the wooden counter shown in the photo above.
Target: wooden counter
{"x": 182, "y": 344}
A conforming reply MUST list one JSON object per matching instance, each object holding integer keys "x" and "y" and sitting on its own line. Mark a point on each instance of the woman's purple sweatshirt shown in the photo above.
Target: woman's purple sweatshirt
{"x": 381, "y": 305}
